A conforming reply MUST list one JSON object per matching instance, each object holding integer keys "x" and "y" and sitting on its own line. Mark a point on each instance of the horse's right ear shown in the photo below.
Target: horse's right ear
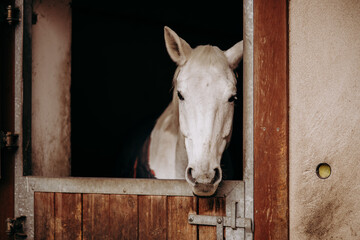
{"x": 235, "y": 54}
{"x": 178, "y": 49}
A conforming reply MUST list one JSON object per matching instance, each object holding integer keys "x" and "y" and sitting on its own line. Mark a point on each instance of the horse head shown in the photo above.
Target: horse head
{"x": 204, "y": 91}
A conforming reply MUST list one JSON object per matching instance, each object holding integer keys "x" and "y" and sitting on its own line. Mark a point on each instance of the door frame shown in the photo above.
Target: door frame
{"x": 26, "y": 185}
{"x": 271, "y": 120}
{"x": 265, "y": 135}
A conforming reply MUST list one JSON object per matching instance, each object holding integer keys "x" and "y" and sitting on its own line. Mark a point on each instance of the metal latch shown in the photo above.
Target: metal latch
{"x": 8, "y": 140}
{"x": 15, "y": 227}
{"x": 222, "y": 221}
{"x": 10, "y": 14}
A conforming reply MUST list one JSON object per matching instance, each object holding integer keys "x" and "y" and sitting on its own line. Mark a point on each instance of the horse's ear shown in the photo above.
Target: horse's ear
{"x": 234, "y": 54}
{"x": 178, "y": 49}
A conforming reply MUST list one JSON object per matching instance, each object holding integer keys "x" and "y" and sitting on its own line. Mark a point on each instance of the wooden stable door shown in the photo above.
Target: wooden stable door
{"x": 113, "y": 216}
{"x": 109, "y": 208}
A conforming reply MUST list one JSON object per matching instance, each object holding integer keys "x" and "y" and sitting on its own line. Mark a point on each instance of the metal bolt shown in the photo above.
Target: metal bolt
{"x": 219, "y": 220}
{"x": 191, "y": 219}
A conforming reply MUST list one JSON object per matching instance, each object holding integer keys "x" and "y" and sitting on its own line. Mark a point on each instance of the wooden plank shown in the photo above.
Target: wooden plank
{"x": 68, "y": 216}
{"x": 96, "y": 223}
{"x": 213, "y": 207}
{"x": 271, "y": 120}
{"x": 123, "y": 217}
{"x": 178, "y": 211}
{"x": 152, "y": 217}
{"x": 44, "y": 216}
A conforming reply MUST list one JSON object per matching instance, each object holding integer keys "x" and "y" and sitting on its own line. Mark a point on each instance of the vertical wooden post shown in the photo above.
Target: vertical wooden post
{"x": 7, "y": 162}
{"x": 271, "y": 194}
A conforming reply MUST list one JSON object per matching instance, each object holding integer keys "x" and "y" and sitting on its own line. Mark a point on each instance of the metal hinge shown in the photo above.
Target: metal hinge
{"x": 10, "y": 14}
{"x": 8, "y": 140}
{"x": 15, "y": 227}
{"x": 222, "y": 221}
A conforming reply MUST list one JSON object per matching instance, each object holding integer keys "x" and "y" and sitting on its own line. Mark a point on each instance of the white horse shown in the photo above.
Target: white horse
{"x": 191, "y": 135}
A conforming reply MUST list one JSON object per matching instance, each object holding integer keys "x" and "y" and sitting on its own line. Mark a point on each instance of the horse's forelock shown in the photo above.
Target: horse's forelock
{"x": 207, "y": 56}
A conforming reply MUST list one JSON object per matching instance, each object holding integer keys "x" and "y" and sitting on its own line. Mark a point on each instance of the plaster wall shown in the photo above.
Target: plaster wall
{"x": 51, "y": 77}
{"x": 324, "y": 89}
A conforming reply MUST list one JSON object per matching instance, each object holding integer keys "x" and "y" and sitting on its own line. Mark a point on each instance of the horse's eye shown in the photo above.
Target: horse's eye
{"x": 232, "y": 98}
{"x": 180, "y": 96}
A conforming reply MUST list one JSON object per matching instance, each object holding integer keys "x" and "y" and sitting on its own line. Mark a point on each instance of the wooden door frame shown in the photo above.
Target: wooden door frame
{"x": 270, "y": 127}
{"x": 271, "y": 130}
{"x": 26, "y": 185}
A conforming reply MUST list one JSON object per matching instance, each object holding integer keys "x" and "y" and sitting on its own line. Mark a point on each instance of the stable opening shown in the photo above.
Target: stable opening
{"x": 121, "y": 75}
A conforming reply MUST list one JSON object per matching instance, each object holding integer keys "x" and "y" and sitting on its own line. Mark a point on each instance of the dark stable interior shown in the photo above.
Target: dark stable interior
{"x": 122, "y": 74}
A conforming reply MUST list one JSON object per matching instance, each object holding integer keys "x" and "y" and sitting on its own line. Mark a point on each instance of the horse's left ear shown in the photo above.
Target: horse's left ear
{"x": 178, "y": 49}
{"x": 234, "y": 54}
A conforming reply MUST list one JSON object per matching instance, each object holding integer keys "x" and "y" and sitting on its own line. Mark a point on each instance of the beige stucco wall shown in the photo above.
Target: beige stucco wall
{"x": 51, "y": 75}
{"x": 324, "y": 75}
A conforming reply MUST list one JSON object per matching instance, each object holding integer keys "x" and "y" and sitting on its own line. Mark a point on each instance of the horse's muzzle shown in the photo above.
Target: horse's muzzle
{"x": 203, "y": 184}
{"x": 204, "y": 190}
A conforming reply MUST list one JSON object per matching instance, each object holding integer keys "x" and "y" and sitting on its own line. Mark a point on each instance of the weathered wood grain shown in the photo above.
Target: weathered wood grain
{"x": 178, "y": 211}
{"x": 68, "y": 216}
{"x": 123, "y": 216}
{"x": 103, "y": 216}
{"x": 96, "y": 223}
{"x": 44, "y": 216}
{"x": 213, "y": 207}
{"x": 271, "y": 133}
{"x": 152, "y": 217}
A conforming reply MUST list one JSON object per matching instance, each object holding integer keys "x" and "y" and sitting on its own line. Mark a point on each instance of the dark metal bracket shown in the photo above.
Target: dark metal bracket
{"x": 222, "y": 221}
{"x": 15, "y": 227}
{"x": 8, "y": 140}
{"x": 10, "y": 14}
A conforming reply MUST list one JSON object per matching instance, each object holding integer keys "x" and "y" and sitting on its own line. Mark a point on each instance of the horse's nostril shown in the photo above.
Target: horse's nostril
{"x": 217, "y": 175}
{"x": 189, "y": 175}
